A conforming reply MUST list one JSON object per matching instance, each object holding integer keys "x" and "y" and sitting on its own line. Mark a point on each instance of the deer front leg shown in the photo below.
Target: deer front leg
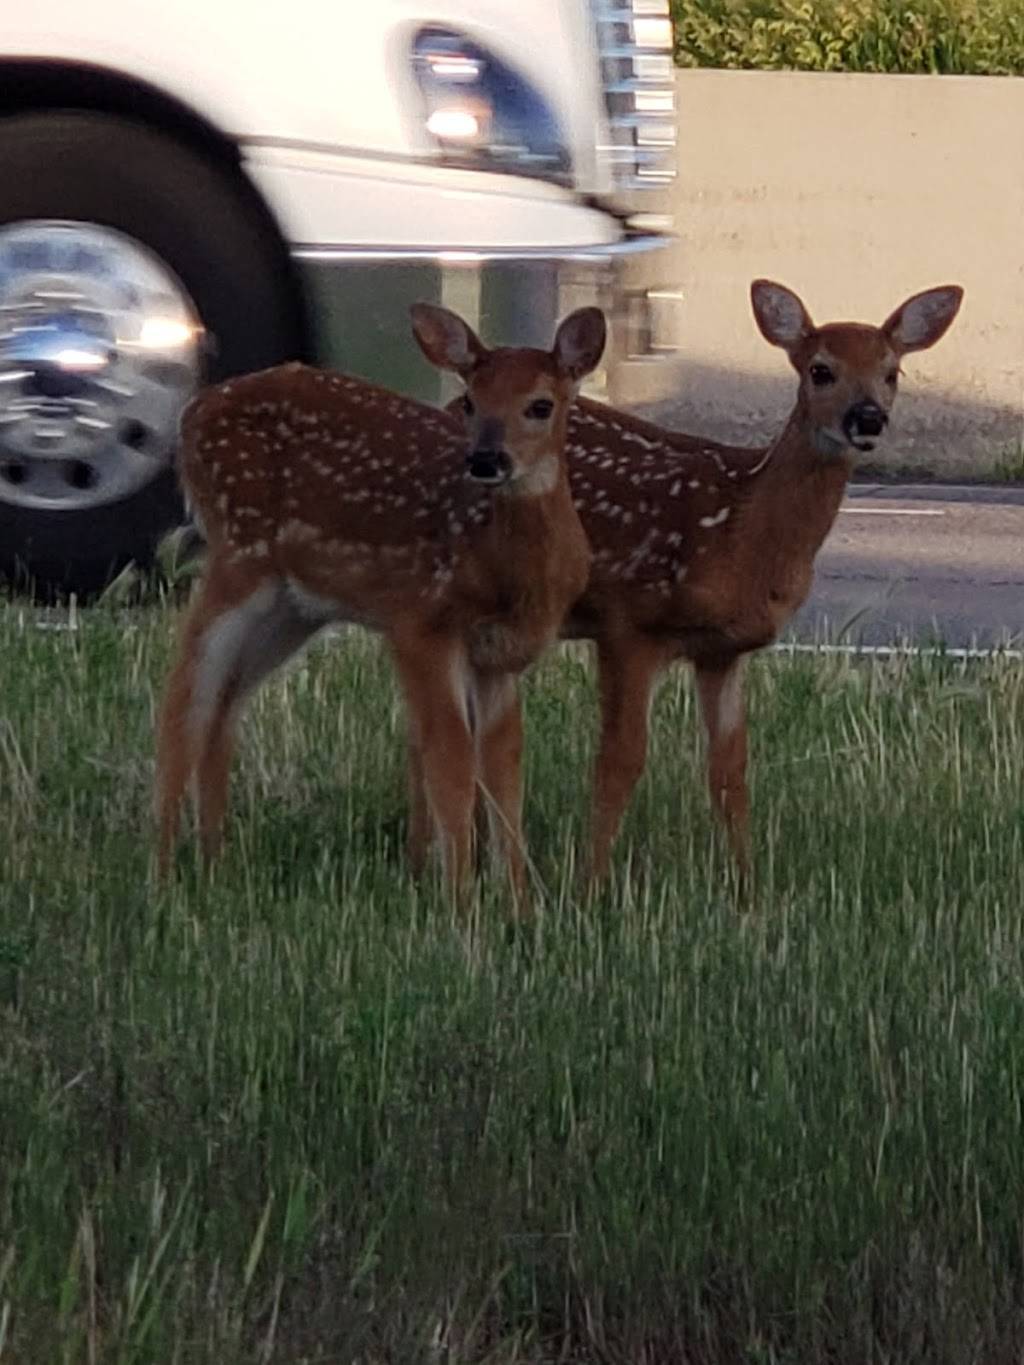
{"x": 627, "y": 669}
{"x": 720, "y": 690}
{"x": 421, "y": 830}
{"x": 433, "y": 677}
{"x": 499, "y": 740}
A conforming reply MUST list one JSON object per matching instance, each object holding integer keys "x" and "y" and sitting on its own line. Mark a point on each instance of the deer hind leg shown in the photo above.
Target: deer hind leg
{"x": 265, "y": 632}
{"x": 627, "y": 671}
{"x": 232, "y": 641}
{"x": 499, "y": 745}
{"x": 175, "y": 745}
{"x": 720, "y": 690}
{"x": 434, "y": 681}
{"x": 418, "y": 838}
{"x": 218, "y": 595}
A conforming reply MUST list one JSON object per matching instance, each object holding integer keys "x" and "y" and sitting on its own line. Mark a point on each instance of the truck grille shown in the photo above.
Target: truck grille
{"x": 634, "y": 39}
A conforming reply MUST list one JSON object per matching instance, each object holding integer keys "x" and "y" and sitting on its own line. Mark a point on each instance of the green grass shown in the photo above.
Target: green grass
{"x": 921, "y": 37}
{"x": 300, "y": 1112}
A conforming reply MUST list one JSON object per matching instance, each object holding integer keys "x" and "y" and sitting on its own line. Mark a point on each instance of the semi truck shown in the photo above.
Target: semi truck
{"x": 197, "y": 190}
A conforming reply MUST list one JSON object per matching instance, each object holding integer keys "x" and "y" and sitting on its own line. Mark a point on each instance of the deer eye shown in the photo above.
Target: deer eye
{"x": 467, "y": 405}
{"x": 540, "y": 409}
{"x": 821, "y": 375}
{"x": 892, "y": 377}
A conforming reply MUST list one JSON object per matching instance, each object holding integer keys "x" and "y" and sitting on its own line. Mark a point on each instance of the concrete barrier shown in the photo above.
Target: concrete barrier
{"x": 855, "y": 191}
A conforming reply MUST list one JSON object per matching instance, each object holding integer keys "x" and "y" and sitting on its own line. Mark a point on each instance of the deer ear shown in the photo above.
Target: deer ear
{"x": 579, "y": 343}
{"x": 446, "y": 341}
{"x": 780, "y": 314}
{"x": 924, "y": 318}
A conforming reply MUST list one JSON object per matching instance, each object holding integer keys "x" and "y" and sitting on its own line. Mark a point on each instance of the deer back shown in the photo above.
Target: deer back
{"x": 359, "y": 494}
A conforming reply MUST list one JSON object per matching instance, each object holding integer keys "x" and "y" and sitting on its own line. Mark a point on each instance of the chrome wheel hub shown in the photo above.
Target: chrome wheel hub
{"x": 99, "y": 351}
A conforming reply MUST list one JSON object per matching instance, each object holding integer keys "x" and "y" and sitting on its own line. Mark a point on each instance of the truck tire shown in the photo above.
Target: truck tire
{"x": 132, "y": 268}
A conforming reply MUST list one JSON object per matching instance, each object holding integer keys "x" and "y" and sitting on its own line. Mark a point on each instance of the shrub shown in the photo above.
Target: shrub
{"x": 968, "y": 37}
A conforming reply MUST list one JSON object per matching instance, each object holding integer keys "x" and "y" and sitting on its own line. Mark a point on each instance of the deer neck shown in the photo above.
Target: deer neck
{"x": 799, "y": 485}
{"x": 532, "y": 512}
{"x": 533, "y": 544}
{"x": 529, "y": 563}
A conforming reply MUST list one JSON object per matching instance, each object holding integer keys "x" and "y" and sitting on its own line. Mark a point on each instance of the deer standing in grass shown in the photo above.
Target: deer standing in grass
{"x": 326, "y": 499}
{"x": 704, "y": 552}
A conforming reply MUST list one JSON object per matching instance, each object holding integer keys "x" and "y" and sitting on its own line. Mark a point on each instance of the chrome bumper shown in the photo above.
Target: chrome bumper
{"x": 359, "y": 300}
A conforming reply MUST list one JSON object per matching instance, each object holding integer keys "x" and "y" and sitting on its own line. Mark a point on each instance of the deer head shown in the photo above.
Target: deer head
{"x": 516, "y": 402}
{"x": 849, "y": 372}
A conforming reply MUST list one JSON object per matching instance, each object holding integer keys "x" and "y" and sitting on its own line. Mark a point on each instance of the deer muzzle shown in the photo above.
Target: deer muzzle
{"x": 489, "y": 466}
{"x": 863, "y": 422}
{"x": 488, "y": 461}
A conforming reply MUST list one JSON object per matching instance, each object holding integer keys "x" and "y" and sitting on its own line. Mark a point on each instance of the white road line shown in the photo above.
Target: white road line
{"x": 889, "y": 651}
{"x": 893, "y": 511}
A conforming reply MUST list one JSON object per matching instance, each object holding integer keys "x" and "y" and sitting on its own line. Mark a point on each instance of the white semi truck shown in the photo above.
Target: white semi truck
{"x": 198, "y": 189}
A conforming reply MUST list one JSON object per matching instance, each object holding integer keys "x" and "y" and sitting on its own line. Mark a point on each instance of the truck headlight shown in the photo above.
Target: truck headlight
{"x": 481, "y": 113}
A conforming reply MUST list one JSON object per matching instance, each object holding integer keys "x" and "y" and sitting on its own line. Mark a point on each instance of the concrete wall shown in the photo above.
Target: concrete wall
{"x": 855, "y": 191}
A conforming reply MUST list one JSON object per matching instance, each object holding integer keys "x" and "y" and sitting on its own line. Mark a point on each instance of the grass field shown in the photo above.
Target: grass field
{"x": 299, "y": 1113}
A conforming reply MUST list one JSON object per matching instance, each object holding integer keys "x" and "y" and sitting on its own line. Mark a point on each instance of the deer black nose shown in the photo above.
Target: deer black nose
{"x": 864, "y": 419}
{"x": 488, "y": 466}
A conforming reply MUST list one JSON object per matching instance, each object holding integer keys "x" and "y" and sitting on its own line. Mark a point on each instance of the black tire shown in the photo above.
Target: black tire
{"x": 206, "y": 224}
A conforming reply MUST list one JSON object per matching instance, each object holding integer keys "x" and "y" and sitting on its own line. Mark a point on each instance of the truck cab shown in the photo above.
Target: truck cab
{"x": 193, "y": 191}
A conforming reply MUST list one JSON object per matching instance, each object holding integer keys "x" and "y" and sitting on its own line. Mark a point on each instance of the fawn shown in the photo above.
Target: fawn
{"x": 327, "y": 499}
{"x": 704, "y": 552}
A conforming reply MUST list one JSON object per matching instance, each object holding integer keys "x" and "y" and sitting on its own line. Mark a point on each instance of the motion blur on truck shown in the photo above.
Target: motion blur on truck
{"x": 194, "y": 191}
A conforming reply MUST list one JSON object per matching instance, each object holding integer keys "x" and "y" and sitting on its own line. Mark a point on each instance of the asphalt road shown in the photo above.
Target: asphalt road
{"x": 920, "y": 563}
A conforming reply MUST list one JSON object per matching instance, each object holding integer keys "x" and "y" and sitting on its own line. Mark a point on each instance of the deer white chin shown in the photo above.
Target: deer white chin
{"x": 830, "y": 443}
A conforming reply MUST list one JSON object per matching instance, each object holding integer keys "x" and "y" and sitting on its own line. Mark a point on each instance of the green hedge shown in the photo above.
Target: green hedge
{"x": 971, "y": 37}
